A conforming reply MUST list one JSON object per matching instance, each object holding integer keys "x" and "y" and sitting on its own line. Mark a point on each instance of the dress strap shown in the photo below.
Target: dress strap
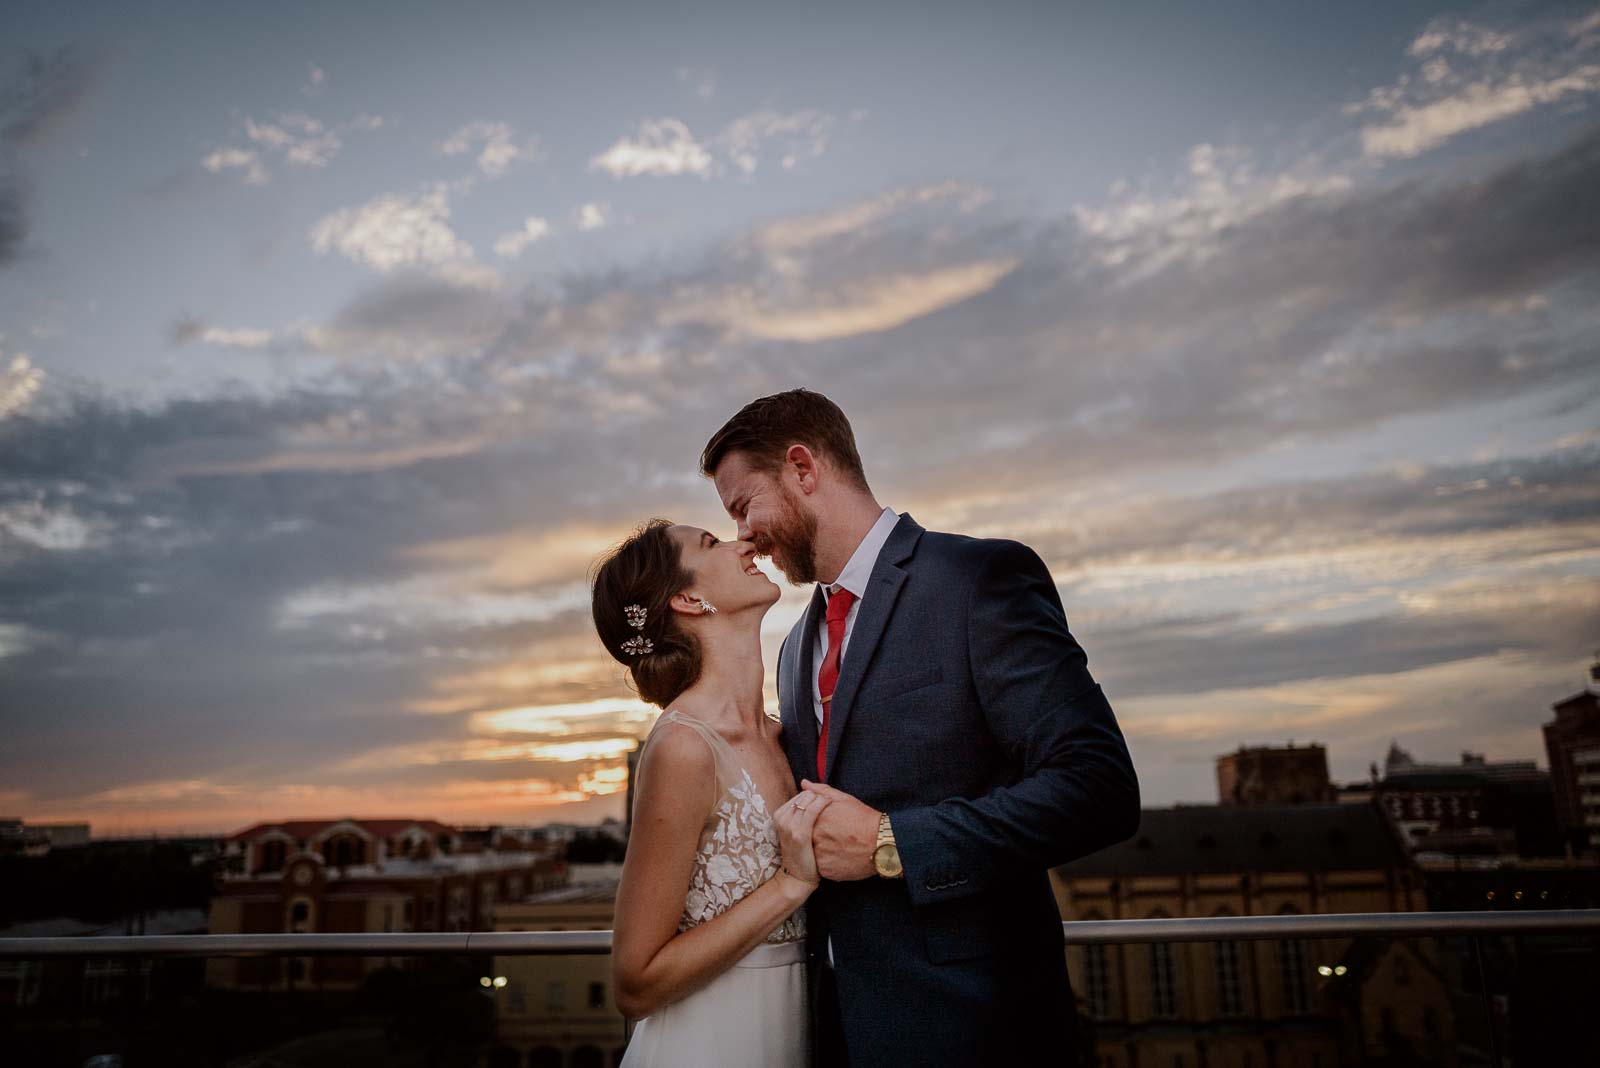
{"x": 724, "y": 758}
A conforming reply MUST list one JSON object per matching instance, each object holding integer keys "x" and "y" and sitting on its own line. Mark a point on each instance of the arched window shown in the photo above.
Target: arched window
{"x": 272, "y": 853}
{"x": 301, "y": 917}
{"x": 1292, "y": 955}
{"x": 1230, "y": 992}
{"x": 1163, "y": 976}
{"x": 343, "y": 850}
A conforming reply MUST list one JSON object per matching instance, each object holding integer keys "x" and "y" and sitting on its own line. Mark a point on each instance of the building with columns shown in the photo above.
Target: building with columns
{"x": 1305, "y": 1003}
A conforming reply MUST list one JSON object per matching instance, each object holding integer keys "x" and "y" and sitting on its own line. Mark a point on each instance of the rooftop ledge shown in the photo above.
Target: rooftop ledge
{"x": 1077, "y": 932}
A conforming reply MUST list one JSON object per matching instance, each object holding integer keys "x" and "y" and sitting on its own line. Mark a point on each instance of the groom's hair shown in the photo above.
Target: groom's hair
{"x": 765, "y": 428}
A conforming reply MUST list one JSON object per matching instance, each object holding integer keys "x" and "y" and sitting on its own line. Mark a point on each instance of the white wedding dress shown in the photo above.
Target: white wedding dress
{"x": 754, "y": 1015}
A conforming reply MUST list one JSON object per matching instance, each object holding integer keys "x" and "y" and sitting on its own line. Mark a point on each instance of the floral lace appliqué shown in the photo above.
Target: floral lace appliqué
{"x": 738, "y": 854}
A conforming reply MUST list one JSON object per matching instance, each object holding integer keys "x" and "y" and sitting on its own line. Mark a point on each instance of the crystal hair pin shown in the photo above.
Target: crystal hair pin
{"x": 637, "y": 646}
{"x": 636, "y": 616}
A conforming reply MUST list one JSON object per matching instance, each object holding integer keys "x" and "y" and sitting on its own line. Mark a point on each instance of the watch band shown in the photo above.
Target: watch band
{"x": 886, "y": 838}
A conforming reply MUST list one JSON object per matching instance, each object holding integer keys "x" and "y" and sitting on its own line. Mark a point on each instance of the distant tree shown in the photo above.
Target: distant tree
{"x": 594, "y": 847}
{"x": 103, "y": 881}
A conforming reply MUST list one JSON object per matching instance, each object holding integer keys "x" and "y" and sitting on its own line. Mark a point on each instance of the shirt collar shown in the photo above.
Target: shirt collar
{"x": 859, "y": 568}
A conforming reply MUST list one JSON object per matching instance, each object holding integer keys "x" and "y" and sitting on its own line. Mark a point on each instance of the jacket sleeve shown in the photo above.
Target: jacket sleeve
{"x": 1076, "y": 791}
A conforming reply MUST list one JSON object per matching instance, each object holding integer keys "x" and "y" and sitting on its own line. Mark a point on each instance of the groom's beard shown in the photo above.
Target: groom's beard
{"x": 795, "y": 538}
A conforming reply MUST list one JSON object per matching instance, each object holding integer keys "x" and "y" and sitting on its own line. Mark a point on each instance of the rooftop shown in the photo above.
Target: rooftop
{"x": 1214, "y": 838}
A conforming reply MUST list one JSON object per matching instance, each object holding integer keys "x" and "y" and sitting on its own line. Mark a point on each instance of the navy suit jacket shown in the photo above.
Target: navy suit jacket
{"x": 966, "y": 711}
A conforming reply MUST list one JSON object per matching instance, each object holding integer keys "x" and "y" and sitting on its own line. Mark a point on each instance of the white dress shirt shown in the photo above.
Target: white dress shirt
{"x": 853, "y": 578}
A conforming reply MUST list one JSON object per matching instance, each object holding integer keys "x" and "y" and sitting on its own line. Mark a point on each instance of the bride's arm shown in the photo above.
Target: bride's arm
{"x": 652, "y": 964}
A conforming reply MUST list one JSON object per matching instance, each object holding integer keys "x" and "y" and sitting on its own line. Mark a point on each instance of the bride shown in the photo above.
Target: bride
{"x": 708, "y": 951}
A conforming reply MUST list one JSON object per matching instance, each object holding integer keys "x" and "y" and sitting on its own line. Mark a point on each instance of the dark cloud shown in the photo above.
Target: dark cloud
{"x": 1184, "y": 659}
{"x": 43, "y": 92}
{"x": 185, "y": 329}
{"x": 1550, "y": 493}
{"x": 13, "y": 218}
{"x": 416, "y": 313}
{"x": 38, "y": 96}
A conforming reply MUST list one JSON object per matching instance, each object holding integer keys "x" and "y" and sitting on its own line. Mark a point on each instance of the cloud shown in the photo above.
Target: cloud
{"x": 191, "y": 329}
{"x": 299, "y": 139}
{"x": 13, "y": 218}
{"x": 1468, "y": 77}
{"x": 20, "y": 381}
{"x": 882, "y": 304}
{"x": 1458, "y": 35}
{"x": 30, "y": 524}
{"x": 593, "y": 215}
{"x": 1413, "y": 130}
{"x": 785, "y": 242}
{"x": 394, "y": 231}
{"x": 44, "y": 94}
{"x": 790, "y": 137}
{"x": 37, "y": 100}
{"x": 238, "y": 338}
{"x": 510, "y": 245}
{"x": 496, "y": 142}
{"x": 413, "y": 315}
{"x": 316, "y": 80}
{"x": 1220, "y": 187}
{"x": 661, "y": 147}
{"x": 666, "y": 147}
{"x": 237, "y": 159}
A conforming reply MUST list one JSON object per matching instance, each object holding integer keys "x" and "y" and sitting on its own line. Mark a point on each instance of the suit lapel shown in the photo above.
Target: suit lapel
{"x": 801, "y": 688}
{"x": 883, "y": 590}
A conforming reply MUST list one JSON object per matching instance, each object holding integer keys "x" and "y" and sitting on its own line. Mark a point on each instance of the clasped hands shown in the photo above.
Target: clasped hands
{"x": 843, "y": 833}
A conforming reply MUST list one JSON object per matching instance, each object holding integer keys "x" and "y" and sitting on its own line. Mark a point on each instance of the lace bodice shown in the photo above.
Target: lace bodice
{"x": 738, "y": 849}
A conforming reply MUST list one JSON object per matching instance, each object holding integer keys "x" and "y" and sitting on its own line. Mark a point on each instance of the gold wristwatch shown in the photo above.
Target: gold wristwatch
{"x": 886, "y": 855}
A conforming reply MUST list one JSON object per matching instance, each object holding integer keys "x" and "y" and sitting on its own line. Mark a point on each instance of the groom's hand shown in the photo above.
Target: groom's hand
{"x": 844, "y": 836}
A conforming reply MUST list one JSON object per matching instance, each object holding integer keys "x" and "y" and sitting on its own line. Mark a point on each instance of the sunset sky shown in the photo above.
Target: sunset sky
{"x": 335, "y": 345}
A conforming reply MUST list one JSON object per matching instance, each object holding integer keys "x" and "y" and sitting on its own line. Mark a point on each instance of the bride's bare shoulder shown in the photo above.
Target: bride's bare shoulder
{"x": 676, "y": 752}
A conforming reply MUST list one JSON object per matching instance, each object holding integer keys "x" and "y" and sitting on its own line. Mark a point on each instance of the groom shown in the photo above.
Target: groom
{"x": 932, "y": 689}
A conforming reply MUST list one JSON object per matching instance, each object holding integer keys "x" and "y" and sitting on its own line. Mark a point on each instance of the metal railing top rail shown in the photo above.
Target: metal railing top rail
{"x": 1079, "y": 932}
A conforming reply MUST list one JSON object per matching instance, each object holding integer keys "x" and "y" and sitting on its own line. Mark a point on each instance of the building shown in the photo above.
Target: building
{"x": 1314, "y": 1003}
{"x": 1491, "y": 812}
{"x": 37, "y": 839}
{"x": 558, "y": 1010}
{"x": 1586, "y": 768}
{"x": 1268, "y": 775}
{"x": 1572, "y": 742}
{"x": 350, "y": 875}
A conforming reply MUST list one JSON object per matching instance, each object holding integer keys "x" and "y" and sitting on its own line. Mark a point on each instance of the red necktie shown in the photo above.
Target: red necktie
{"x": 838, "y": 609}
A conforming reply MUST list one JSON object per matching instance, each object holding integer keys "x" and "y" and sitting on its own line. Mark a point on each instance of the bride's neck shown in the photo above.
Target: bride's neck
{"x": 731, "y": 676}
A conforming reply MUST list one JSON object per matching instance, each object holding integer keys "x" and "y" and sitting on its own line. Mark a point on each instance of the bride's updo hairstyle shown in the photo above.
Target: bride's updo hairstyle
{"x": 645, "y": 571}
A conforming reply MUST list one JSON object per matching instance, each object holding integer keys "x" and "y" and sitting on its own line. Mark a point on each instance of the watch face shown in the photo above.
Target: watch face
{"x": 886, "y": 858}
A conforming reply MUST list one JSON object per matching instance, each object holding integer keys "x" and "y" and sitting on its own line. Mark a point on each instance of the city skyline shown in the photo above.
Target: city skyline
{"x": 333, "y": 352}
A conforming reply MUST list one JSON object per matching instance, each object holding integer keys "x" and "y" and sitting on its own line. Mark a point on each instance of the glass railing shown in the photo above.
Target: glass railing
{"x": 1319, "y": 991}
